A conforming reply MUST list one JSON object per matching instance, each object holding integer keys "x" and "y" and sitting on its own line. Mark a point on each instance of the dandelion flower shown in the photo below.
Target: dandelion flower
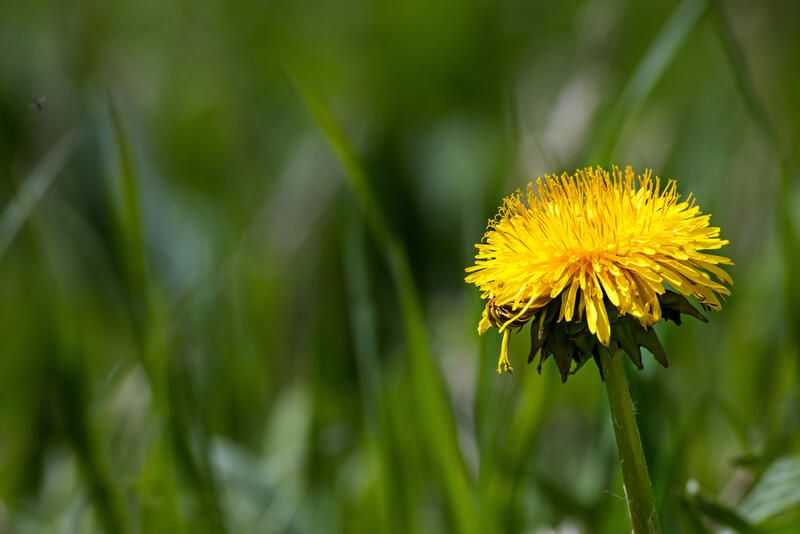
{"x": 593, "y": 260}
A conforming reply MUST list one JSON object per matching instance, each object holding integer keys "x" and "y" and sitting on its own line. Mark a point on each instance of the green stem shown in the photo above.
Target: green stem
{"x": 638, "y": 489}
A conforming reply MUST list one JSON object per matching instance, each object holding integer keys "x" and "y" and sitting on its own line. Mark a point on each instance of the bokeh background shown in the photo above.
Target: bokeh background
{"x": 232, "y": 243}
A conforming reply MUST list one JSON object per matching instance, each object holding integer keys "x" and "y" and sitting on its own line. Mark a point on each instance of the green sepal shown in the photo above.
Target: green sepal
{"x": 559, "y": 345}
{"x": 576, "y": 329}
{"x": 542, "y": 358}
{"x": 647, "y": 338}
{"x": 572, "y": 341}
{"x": 599, "y": 366}
{"x": 539, "y": 333}
{"x": 624, "y": 333}
{"x": 585, "y": 344}
{"x": 630, "y": 336}
{"x": 612, "y": 312}
{"x": 674, "y": 304}
{"x": 580, "y": 360}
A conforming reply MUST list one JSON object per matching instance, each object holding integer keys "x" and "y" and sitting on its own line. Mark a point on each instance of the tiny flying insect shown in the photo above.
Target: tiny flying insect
{"x": 39, "y": 104}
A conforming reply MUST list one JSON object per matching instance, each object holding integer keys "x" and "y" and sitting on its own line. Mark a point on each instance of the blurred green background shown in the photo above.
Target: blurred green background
{"x": 232, "y": 244}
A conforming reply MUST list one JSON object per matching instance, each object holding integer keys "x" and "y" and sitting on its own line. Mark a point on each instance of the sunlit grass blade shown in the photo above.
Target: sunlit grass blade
{"x": 33, "y": 189}
{"x": 658, "y": 56}
{"x": 435, "y": 417}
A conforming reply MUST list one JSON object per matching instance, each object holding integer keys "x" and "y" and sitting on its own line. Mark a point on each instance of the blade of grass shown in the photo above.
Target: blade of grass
{"x": 75, "y": 398}
{"x": 719, "y": 512}
{"x": 34, "y": 188}
{"x": 431, "y": 397}
{"x": 171, "y": 386}
{"x": 658, "y": 56}
{"x": 128, "y": 216}
{"x": 667, "y": 470}
{"x": 508, "y": 476}
{"x": 187, "y": 429}
{"x": 362, "y": 311}
{"x": 777, "y": 492}
{"x": 68, "y": 376}
{"x": 362, "y": 316}
{"x": 789, "y": 239}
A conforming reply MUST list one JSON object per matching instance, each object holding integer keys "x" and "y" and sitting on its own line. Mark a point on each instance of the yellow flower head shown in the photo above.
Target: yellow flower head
{"x": 596, "y": 250}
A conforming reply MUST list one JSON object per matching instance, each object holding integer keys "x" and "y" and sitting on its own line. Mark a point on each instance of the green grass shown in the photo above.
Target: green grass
{"x": 232, "y": 251}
